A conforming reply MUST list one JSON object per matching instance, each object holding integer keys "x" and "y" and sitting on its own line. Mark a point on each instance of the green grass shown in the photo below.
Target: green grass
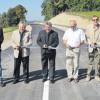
{"x": 87, "y": 14}
{"x": 8, "y": 32}
{"x": 9, "y": 29}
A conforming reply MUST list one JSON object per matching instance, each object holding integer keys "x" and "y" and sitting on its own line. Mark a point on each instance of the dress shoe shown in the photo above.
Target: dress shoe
{"x": 88, "y": 78}
{"x": 15, "y": 81}
{"x": 2, "y": 84}
{"x": 26, "y": 81}
{"x": 97, "y": 78}
{"x": 52, "y": 81}
{"x": 44, "y": 79}
{"x": 70, "y": 79}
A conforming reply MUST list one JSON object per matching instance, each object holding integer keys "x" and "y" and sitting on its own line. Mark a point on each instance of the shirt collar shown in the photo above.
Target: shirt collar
{"x": 22, "y": 32}
{"x": 48, "y": 32}
{"x": 74, "y": 29}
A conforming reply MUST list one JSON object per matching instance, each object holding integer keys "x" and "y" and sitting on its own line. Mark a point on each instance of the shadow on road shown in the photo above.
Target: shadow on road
{"x": 82, "y": 73}
{"x": 60, "y": 74}
{"x": 36, "y": 75}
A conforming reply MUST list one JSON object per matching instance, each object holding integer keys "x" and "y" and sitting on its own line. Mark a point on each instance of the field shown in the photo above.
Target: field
{"x": 9, "y": 29}
{"x": 8, "y": 32}
{"x": 86, "y": 14}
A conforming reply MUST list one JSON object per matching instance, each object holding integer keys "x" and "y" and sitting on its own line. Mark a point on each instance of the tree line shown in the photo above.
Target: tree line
{"x": 51, "y": 8}
{"x": 13, "y": 16}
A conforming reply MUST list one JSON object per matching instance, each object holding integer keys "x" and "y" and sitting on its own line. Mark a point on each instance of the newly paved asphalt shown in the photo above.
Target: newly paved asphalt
{"x": 60, "y": 90}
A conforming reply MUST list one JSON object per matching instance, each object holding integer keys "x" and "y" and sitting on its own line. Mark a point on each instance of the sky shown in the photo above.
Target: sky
{"x": 33, "y": 7}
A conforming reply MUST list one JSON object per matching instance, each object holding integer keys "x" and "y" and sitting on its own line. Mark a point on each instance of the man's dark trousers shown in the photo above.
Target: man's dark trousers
{"x": 17, "y": 63}
{"x": 1, "y": 40}
{"x": 0, "y": 68}
{"x": 45, "y": 59}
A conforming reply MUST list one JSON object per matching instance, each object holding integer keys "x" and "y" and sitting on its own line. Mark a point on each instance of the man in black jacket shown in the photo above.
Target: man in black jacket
{"x": 48, "y": 41}
{"x": 1, "y": 40}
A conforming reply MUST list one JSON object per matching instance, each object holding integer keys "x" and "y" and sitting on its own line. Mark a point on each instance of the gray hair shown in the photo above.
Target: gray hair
{"x": 48, "y": 23}
{"x": 22, "y": 22}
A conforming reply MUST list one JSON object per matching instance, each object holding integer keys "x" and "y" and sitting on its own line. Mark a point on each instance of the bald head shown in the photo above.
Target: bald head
{"x": 73, "y": 24}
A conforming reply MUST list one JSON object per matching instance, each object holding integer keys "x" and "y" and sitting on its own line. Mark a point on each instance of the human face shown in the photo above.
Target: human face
{"x": 95, "y": 21}
{"x": 73, "y": 24}
{"x": 47, "y": 28}
{"x": 22, "y": 27}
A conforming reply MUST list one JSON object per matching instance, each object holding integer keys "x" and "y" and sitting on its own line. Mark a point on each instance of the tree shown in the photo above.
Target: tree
{"x": 16, "y": 14}
{"x": 20, "y": 12}
{"x": 4, "y": 20}
{"x": 12, "y": 17}
{"x": 51, "y": 8}
{"x": 58, "y": 6}
{"x": 47, "y": 9}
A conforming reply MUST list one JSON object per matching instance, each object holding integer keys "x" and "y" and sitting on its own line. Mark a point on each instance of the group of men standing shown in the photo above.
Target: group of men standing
{"x": 48, "y": 40}
{"x": 21, "y": 42}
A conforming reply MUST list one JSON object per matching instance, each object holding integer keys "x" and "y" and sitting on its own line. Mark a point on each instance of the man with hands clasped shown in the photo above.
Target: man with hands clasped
{"x": 48, "y": 41}
{"x": 73, "y": 38}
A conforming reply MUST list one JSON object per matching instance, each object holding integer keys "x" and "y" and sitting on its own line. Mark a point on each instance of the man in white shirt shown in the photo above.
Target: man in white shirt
{"x": 73, "y": 39}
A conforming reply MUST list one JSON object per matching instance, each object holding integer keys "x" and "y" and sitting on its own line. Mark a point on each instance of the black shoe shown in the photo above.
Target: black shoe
{"x": 2, "y": 84}
{"x": 52, "y": 81}
{"x": 44, "y": 79}
{"x": 26, "y": 81}
{"x": 76, "y": 80}
{"x": 15, "y": 81}
{"x": 70, "y": 79}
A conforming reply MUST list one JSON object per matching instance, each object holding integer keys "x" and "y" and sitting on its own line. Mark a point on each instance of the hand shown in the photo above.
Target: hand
{"x": 92, "y": 42}
{"x": 49, "y": 46}
{"x": 95, "y": 43}
{"x": 66, "y": 45}
{"x": 45, "y": 46}
{"x": 69, "y": 47}
{"x": 17, "y": 47}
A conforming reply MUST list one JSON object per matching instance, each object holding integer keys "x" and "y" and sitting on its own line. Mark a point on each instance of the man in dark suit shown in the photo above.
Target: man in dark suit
{"x": 48, "y": 40}
{"x": 1, "y": 40}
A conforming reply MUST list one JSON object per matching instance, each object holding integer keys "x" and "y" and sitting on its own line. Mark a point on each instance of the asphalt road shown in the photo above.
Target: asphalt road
{"x": 60, "y": 90}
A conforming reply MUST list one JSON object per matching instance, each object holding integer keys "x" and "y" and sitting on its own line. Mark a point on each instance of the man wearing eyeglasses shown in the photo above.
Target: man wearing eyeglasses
{"x": 93, "y": 38}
